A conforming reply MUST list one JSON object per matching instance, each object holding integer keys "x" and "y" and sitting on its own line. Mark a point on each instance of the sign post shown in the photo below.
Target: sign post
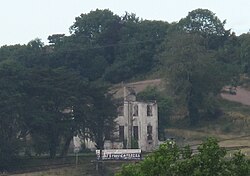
{"x": 76, "y": 151}
{"x": 77, "y": 147}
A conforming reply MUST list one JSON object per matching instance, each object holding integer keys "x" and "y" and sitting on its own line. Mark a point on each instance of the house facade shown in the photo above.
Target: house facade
{"x": 137, "y": 123}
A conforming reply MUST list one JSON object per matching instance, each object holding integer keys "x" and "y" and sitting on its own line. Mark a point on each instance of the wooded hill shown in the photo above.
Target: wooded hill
{"x": 196, "y": 56}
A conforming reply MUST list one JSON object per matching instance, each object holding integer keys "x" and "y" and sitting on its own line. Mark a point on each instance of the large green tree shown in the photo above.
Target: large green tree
{"x": 51, "y": 91}
{"x": 101, "y": 116}
{"x": 12, "y": 114}
{"x": 90, "y": 47}
{"x": 119, "y": 47}
{"x": 207, "y": 24}
{"x": 98, "y": 29}
{"x": 139, "y": 40}
{"x": 62, "y": 105}
{"x": 193, "y": 73}
{"x": 244, "y": 52}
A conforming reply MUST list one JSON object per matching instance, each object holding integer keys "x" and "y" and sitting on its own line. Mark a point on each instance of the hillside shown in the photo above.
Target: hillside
{"x": 136, "y": 86}
{"x": 242, "y": 95}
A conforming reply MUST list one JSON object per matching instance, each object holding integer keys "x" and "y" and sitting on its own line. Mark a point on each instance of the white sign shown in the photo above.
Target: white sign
{"x": 120, "y": 154}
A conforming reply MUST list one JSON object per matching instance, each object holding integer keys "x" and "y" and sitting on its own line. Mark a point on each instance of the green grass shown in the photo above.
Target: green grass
{"x": 85, "y": 167}
{"x": 32, "y": 164}
{"x": 43, "y": 166}
{"x": 232, "y": 129}
{"x": 234, "y": 106}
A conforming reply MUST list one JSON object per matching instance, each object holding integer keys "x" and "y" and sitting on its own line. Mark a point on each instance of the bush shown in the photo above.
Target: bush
{"x": 170, "y": 160}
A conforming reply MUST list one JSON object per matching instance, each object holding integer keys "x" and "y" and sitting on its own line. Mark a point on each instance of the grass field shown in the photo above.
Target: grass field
{"x": 232, "y": 129}
{"x": 73, "y": 171}
{"x": 85, "y": 167}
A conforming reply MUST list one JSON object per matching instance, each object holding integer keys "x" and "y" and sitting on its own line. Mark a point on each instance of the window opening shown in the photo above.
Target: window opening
{"x": 135, "y": 110}
{"x": 121, "y": 133}
{"x": 149, "y": 110}
{"x": 135, "y": 132}
{"x": 120, "y": 111}
{"x": 149, "y": 132}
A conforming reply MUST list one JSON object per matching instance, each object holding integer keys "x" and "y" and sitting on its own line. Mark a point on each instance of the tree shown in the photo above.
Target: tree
{"x": 205, "y": 23}
{"x": 193, "y": 73}
{"x": 244, "y": 51}
{"x": 98, "y": 29}
{"x": 11, "y": 52}
{"x": 170, "y": 160}
{"x": 96, "y": 26}
{"x": 68, "y": 106}
{"x": 229, "y": 56}
{"x": 90, "y": 47}
{"x": 12, "y": 114}
{"x": 51, "y": 92}
{"x": 139, "y": 40}
{"x": 56, "y": 39}
{"x": 101, "y": 116}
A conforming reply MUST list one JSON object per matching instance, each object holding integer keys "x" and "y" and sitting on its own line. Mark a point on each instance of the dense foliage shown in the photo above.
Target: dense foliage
{"x": 53, "y": 92}
{"x": 171, "y": 160}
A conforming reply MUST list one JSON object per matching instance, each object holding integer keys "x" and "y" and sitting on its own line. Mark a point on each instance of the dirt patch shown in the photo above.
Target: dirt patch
{"x": 242, "y": 96}
{"x": 136, "y": 86}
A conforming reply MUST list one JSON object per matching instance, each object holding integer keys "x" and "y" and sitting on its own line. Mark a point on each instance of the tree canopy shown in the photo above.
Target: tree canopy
{"x": 170, "y": 160}
{"x": 193, "y": 73}
{"x": 207, "y": 24}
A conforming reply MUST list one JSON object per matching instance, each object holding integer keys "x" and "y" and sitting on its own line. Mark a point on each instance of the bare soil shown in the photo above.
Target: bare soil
{"x": 242, "y": 96}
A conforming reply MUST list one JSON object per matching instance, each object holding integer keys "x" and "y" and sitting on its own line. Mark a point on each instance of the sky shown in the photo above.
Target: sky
{"x": 24, "y": 20}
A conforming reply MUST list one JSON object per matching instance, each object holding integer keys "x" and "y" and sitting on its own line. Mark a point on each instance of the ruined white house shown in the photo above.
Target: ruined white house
{"x": 137, "y": 122}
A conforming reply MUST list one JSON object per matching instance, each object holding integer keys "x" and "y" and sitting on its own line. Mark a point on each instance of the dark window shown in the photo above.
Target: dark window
{"x": 135, "y": 132}
{"x": 149, "y": 132}
{"x": 120, "y": 111}
{"x": 121, "y": 133}
{"x": 149, "y": 110}
{"x": 135, "y": 110}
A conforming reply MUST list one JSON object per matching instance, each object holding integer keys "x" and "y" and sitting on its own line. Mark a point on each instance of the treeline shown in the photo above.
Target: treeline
{"x": 52, "y": 92}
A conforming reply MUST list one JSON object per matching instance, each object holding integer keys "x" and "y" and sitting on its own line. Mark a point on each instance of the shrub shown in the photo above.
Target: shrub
{"x": 170, "y": 160}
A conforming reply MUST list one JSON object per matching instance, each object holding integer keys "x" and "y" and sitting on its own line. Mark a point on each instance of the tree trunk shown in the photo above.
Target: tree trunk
{"x": 54, "y": 141}
{"x": 65, "y": 149}
{"x": 52, "y": 151}
{"x": 193, "y": 113}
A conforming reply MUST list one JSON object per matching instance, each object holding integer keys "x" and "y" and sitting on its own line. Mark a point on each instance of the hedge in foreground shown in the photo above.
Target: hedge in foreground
{"x": 170, "y": 160}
